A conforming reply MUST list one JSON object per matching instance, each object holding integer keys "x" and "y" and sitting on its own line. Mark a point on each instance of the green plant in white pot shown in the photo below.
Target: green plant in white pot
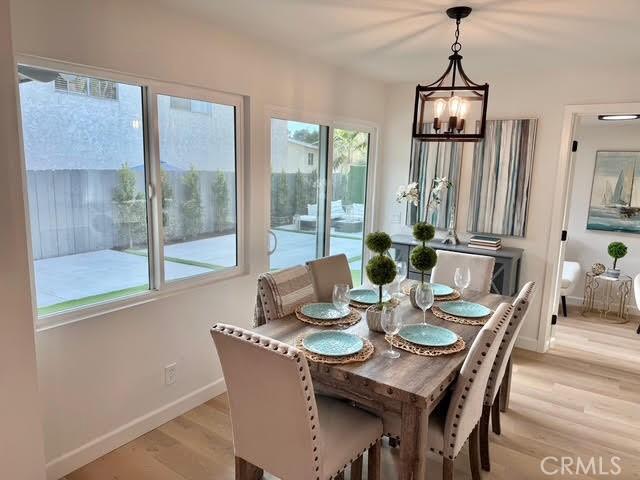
{"x": 616, "y": 250}
{"x": 381, "y": 270}
{"x": 423, "y": 257}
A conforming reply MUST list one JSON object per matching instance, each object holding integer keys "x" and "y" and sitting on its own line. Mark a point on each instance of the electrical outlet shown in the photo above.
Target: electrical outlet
{"x": 170, "y": 374}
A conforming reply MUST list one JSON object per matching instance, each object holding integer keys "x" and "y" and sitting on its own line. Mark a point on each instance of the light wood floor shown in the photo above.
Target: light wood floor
{"x": 581, "y": 399}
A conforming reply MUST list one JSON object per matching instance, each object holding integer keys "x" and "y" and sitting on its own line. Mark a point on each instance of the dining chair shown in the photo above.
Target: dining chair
{"x": 571, "y": 272}
{"x": 498, "y": 387}
{"x": 280, "y": 292}
{"x": 480, "y": 266}
{"x": 457, "y": 417}
{"x": 327, "y": 272}
{"x": 279, "y": 424}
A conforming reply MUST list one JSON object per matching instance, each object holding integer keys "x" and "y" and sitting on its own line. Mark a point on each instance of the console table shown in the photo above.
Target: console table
{"x": 506, "y": 272}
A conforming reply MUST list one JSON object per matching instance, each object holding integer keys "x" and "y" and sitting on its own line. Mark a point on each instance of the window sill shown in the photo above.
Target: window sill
{"x": 170, "y": 289}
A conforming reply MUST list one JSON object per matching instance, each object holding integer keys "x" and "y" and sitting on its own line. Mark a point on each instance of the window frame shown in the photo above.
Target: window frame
{"x": 332, "y": 123}
{"x": 158, "y": 288}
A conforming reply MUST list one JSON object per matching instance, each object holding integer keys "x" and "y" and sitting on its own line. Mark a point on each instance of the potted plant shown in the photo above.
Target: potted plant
{"x": 616, "y": 250}
{"x": 381, "y": 270}
{"x": 423, "y": 257}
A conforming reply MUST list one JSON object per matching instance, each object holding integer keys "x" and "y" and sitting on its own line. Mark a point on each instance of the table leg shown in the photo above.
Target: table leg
{"x": 410, "y": 434}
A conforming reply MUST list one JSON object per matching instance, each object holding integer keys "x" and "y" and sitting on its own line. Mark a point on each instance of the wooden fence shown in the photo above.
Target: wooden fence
{"x": 72, "y": 211}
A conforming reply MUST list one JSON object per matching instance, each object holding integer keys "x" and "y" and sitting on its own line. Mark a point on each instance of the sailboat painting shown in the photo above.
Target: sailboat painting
{"x": 615, "y": 194}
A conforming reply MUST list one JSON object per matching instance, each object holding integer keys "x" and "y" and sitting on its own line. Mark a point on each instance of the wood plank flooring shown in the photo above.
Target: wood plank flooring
{"x": 581, "y": 399}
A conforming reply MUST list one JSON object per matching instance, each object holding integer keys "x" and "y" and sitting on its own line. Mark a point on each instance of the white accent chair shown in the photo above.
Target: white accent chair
{"x": 279, "y": 424}
{"x": 570, "y": 274}
{"x": 480, "y": 266}
{"x": 327, "y": 272}
{"x": 636, "y": 290}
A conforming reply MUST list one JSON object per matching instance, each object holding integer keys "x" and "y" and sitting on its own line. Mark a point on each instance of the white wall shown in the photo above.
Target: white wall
{"x": 21, "y": 448}
{"x": 536, "y": 93}
{"x": 589, "y": 246}
{"x": 97, "y": 375}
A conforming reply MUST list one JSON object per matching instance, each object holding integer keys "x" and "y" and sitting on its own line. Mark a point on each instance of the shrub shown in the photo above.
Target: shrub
{"x": 220, "y": 192}
{"x": 423, "y": 258}
{"x": 192, "y": 206}
{"x": 130, "y": 205}
{"x": 616, "y": 250}
{"x": 378, "y": 242}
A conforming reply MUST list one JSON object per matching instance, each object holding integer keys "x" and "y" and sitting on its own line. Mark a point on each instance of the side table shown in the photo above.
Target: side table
{"x": 606, "y": 296}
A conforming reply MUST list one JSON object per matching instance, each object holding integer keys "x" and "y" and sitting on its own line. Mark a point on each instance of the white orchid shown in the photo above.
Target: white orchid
{"x": 408, "y": 193}
{"x": 439, "y": 184}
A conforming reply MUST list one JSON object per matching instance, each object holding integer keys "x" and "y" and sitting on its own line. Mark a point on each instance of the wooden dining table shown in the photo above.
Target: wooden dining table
{"x": 409, "y": 386}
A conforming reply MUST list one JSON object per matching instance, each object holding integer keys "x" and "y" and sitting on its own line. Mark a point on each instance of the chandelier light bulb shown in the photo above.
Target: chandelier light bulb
{"x": 438, "y": 107}
{"x": 454, "y": 106}
{"x": 463, "y": 109}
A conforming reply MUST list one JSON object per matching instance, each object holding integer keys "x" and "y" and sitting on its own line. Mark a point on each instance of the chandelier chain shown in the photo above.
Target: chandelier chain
{"x": 456, "y": 46}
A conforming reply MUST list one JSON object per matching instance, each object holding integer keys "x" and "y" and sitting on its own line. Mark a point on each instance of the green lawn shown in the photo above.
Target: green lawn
{"x": 91, "y": 300}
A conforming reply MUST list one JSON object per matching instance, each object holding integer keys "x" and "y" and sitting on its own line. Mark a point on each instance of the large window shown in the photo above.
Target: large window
{"x": 198, "y": 168}
{"x": 91, "y": 165}
{"x": 317, "y": 208}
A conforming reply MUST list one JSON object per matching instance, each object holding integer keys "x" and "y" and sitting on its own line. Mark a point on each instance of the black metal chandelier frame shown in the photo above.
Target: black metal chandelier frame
{"x": 425, "y": 93}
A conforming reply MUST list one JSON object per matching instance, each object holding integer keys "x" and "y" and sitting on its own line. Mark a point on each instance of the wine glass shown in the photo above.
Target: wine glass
{"x": 341, "y": 297}
{"x": 391, "y": 324}
{"x": 424, "y": 299}
{"x": 462, "y": 278}
{"x": 401, "y": 275}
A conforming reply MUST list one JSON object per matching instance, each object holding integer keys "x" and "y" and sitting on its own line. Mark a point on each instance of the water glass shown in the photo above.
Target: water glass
{"x": 401, "y": 275}
{"x": 341, "y": 297}
{"x": 462, "y": 278}
{"x": 424, "y": 299}
{"x": 391, "y": 324}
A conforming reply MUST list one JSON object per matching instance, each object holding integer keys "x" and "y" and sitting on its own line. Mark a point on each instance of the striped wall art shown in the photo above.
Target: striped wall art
{"x": 501, "y": 180}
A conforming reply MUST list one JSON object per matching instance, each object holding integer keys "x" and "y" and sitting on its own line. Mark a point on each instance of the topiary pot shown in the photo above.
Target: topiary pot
{"x": 412, "y": 295}
{"x": 373, "y": 315}
{"x": 613, "y": 273}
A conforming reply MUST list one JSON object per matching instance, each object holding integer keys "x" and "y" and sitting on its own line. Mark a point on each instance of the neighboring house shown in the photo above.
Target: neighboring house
{"x": 291, "y": 155}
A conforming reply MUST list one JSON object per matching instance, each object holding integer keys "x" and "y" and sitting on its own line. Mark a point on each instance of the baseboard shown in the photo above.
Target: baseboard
{"x": 527, "y": 343}
{"x": 96, "y": 448}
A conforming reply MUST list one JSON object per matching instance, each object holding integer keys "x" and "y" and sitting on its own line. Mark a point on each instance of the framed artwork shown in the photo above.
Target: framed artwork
{"x": 501, "y": 180}
{"x": 428, "y": 161}
{"x": 615, "y": 192}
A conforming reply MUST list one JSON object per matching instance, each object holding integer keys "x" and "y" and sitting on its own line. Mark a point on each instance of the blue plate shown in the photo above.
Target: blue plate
{"x": 428, "y": 335}
{"x": 368, "y": 296}
{"x": 333, "y": 343}
{"x": 323, "y": 311}
{"x": 440, "y": 290}
{"x": 460, "y": 308}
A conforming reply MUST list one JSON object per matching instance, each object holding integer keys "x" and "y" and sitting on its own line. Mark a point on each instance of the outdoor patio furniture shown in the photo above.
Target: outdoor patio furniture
{"x": 348, "y": 225}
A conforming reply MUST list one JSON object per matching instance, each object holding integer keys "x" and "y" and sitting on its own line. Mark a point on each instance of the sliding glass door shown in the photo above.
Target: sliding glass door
{"x": 318, "y": 193}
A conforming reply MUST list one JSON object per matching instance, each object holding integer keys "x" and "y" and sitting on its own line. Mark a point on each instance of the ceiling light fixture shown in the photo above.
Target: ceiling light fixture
{"x": 444, "y": 109}
{"x": 624, "y": 116}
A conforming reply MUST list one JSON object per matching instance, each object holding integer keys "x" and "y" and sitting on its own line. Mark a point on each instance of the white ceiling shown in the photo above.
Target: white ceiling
{"x": 397, "y": 40}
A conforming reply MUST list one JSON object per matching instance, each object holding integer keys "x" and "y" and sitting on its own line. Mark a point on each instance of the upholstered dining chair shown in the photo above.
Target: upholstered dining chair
{"x": 280, "y": 292}
{"x": 327, "y": 272}
{"x": 457, "y": 417}
{"x": 480, "y": 266}
{"x": 497, "y": 394}
{"x": 278, "y": 423}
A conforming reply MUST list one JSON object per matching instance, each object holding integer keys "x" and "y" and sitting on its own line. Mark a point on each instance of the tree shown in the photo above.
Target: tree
{"x": 220, "y": 191}
{"x": 130, "y": 206}
{"x": 349, "y": 147}
{"x": 281, "y": 195}
{"x": 192, "y": 205}
{"x": 307, "y": 136}
{"x": 167, "y": 197}
{"x": 301, "y": 194}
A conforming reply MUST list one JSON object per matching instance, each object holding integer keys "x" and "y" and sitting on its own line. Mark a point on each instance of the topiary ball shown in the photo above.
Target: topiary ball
{"x": 424, "y": 258}
{"x": 423, "y": 231}
{"x": 378, "y": 242}
{"x": 381, "y": 270}
{"x": 617, "y": 250}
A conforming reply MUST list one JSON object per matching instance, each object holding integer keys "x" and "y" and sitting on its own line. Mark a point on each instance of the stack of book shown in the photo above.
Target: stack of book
{"x": 485, "y": 243}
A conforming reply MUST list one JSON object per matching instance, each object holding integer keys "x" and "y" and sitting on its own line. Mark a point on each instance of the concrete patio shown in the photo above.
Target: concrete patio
{"x": 75, "y": 277}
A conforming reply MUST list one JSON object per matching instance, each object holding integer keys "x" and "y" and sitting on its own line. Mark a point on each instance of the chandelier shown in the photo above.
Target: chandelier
{"x": 453, "y": 108}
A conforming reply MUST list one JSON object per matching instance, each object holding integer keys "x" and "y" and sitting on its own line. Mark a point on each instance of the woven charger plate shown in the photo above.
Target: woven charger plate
{"x": 463, "y": 320}
{"x": 423, "y": 350}
{"x": 361, "y": 356}
{"x": 406, "y": 289}
{"x": 363, "y": 306}
{"x": 351, "y": 319}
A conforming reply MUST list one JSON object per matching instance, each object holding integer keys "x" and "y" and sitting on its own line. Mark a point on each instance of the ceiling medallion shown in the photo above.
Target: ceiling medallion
{"x": 453, "y": 105}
